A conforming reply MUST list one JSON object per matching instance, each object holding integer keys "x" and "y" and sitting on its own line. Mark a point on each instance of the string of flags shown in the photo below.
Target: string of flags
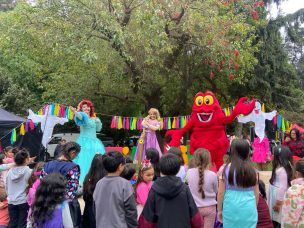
{"x": 24, "y": 127}
{"x": 135, "y": 123}
{"x": 58, "y": 110}
{"x": 130, "y": 123}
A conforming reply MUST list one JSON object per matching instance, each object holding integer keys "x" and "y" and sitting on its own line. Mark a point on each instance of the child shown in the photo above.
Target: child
{"x": 9, "y": 153}
{"x": 128, "y": 172}
{"x": 148, "y": 137}
{"x": 96, "y": 172}
{"x": 50, "y": 208}
{"x": 182, "y": 170}
{"x": 113, "y": 196}
{"x": 264, "y": 220}
{"x": 144, "y": 184}
{"x": 293, "y": 205}
{"x": 238, "y": 191}
{"x": 33, "y": 184}
{"x": 203, "y": 186}
{"x": 153, "y": 155}
{"x": 3, "y": 173}
{"x": 279, "y": 181}
{"x": 64, "y": 165}
{"x": 170, "y": 203}
{"x": 16, "y": 184}
{"x": 4, "y": 217}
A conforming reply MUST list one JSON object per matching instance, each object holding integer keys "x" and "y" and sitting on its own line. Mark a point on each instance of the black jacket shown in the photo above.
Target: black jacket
{"x": 170, "y": 204}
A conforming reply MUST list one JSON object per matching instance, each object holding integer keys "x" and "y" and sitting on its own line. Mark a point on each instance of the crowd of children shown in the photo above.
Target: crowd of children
{"x": 167, "y": 193}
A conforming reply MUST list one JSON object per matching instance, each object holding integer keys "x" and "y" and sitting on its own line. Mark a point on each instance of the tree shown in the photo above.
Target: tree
{"x": 139, "y": 53}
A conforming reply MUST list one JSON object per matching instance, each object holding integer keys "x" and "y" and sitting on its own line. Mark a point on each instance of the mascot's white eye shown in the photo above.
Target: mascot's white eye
{"x": 208, "y": 100}
{"x": 199, "y": 100}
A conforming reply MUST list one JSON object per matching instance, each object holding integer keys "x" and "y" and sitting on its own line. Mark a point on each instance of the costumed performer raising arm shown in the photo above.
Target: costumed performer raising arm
{"x": 90, "y": 145}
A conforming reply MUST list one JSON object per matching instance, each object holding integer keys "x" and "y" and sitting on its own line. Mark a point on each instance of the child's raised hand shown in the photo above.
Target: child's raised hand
{"x": 32, "y": 159}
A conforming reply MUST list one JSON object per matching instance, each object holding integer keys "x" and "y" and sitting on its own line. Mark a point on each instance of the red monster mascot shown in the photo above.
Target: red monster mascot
{"x": 208, "y": 125}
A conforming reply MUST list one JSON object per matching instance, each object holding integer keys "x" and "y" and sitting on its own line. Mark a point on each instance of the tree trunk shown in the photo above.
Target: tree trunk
{"x": 153, "y": 98}
{"x": 238, "y": 130}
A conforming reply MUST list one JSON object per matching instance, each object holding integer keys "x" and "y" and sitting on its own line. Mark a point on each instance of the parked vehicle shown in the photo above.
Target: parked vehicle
{"x": 107, "y": 141}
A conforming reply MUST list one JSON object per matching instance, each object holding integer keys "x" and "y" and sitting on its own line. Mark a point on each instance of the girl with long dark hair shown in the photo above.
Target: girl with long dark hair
{"x": 50, "y": 208}
{"x": 95, "y": 173}
{"x": 238, "y": 192}
{"x": 279, "y": 182}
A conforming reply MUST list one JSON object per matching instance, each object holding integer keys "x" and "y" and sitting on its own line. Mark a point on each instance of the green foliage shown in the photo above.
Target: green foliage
{"x": 130, "y": 55}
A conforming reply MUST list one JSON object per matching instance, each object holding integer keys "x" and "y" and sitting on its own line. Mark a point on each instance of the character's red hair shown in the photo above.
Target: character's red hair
{"x": 88, "y": 103}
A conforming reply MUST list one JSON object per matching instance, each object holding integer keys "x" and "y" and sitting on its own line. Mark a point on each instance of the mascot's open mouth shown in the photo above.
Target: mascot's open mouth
{"x": 204, "y": 117}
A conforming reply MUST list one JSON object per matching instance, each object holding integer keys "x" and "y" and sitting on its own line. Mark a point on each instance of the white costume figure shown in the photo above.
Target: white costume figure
{"x": 48, "y": 121}
{"x": 258, "y": 117}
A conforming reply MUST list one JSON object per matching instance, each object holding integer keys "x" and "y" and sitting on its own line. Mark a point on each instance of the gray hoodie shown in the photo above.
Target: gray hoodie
{"x": 16, "y": 183}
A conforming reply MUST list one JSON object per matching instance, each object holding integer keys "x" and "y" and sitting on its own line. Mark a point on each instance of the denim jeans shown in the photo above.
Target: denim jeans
{"x": 18, "y": 215}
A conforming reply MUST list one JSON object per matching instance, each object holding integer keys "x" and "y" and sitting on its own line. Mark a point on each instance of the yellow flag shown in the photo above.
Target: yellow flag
{"x": 22, "y": 129}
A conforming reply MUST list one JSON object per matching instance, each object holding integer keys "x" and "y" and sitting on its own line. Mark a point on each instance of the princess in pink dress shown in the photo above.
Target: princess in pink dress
{"x": 148, "y": 137}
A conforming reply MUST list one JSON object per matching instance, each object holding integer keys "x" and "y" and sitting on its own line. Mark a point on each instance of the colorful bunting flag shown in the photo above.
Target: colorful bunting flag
{"x": 22, "y": 129}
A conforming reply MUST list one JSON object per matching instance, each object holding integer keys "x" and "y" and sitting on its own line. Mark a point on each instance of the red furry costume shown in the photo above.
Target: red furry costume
{"x": 208, "y": 125}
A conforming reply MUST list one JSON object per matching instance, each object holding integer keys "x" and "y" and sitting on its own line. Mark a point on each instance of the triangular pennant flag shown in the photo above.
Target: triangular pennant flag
{"x": 13, "y": 136}
{"x": 279, "y": 121}
{"x": 32, "y": 125}
{"x": 44, "y": 108}
{"x": 169, "y": 123}
{"x": 66, "y": 113}
{"x": 134, "y": 123}
{"x": 26, "y": 126}
{"x": 22, "y": 130}
{"x": 127, "y": 123}
{"x": 274, "y": 120}
{"x": 113, "y": 122}
{"x": 119, "y": 123}
{"x": 283, "y": 125}
{"x": 287, "y": 125}
{"x": 165, "y": 123}
{"x": 185, "y": 121}
{"x": 173, "y": 122}
{"x": 123, "y": 122}
{"x": 177, "y": 122}
{"x": 263, "y": 107}
{"x": 56, "y": 112}
{"x": 161, "y": 123}
{"x": 140, "y": 124}
{"x": 131, "y": 122}
{"x": 52, "y": 109}
{"x": 71, "y": 115}
{"x": 116, "y": 122}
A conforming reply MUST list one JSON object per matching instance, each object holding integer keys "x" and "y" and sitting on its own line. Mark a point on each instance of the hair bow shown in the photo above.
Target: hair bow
{"x": 146, "y": 164}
